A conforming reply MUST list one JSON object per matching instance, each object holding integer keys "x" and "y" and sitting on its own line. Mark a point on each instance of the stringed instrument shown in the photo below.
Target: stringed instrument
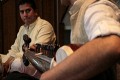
{"x": 50, "y": 51}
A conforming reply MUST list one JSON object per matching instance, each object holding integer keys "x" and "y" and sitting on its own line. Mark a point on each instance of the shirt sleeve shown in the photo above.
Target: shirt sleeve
{"x": 15, "y": 50}
{"x": 101, "y": 20}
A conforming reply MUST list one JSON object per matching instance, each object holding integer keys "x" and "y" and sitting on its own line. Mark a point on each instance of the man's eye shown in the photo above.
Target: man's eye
{"x": 27, "y": 11}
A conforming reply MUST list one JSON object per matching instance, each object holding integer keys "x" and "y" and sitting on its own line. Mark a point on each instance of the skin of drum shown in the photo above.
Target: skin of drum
{"x": 65, "y": 51}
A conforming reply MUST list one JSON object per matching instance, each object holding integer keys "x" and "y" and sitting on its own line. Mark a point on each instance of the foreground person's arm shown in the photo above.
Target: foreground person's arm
{"x": 89, "y": 60}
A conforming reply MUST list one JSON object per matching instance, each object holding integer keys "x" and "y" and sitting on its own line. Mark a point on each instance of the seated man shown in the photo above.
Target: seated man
{"x": 39, "y": 30}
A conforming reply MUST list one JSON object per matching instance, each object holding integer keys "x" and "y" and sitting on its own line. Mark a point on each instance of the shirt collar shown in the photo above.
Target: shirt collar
{"x": 32, "y": 25}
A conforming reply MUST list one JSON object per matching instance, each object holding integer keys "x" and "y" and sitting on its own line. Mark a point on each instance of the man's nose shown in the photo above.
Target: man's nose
{"x": 25, "y": 14}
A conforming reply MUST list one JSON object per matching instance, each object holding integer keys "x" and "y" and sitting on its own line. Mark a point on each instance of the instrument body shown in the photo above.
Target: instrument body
{"x": 41, "y": 62}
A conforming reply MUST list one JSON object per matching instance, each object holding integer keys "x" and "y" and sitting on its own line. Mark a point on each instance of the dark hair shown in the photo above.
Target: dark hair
{"x": 31, "y": 2}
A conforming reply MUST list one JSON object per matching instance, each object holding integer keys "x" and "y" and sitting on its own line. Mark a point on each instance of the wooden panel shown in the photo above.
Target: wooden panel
{"x": 9, "y": 25}
{"x": 61, "y": 27}
{"x": 1, "y": 32}
{"x": 48, "y": 11}
{"x": 39, "y": 5}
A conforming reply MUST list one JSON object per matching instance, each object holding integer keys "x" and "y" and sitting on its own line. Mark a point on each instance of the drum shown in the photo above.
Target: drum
{"x": 65, "y": 51}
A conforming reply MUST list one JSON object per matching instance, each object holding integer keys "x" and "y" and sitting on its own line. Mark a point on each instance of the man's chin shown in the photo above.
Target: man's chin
{"x": 27, "y": 24}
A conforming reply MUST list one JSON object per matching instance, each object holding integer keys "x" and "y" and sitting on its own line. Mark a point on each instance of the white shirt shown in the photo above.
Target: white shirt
{"x": 102, "y": 18}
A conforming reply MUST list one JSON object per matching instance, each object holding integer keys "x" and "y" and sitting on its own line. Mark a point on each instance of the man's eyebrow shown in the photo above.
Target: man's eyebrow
{"x": 25, "y": 9}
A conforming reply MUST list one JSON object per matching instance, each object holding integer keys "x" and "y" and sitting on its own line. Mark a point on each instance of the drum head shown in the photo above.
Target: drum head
{"x": 62, "y": 53}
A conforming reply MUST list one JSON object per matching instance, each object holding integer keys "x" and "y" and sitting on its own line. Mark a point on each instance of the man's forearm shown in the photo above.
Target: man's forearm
{"x": 89, "y": 60}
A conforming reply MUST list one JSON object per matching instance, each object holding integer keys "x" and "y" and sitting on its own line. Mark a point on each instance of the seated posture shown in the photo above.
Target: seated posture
{"x": 39, "y": 30}
{"x": 95, "y": 24}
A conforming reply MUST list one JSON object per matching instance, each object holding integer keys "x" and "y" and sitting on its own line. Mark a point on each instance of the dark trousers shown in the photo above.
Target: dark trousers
{"x": 19, "y": 76}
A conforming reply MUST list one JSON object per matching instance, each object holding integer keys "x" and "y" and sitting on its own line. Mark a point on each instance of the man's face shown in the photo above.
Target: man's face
{"x": 27, "y": 14}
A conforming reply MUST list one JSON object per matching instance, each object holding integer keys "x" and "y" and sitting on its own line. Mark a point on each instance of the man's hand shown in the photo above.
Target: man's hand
{"x": 7, "y": 64}
{"x": 33, "y": 48}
